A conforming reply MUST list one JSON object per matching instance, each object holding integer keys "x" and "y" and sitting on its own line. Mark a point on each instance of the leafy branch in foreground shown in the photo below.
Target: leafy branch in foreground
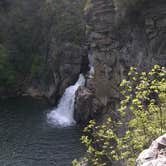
{"x": 143, "y": 118}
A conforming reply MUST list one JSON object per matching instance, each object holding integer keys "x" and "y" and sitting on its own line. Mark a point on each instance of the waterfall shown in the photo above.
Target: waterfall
{"x": 91, "y": 71}
{"x": 63, "y": 114}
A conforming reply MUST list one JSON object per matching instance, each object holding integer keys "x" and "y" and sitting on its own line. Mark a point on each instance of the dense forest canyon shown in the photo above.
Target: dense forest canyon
{"x": 40, "y": 44}
{"x": 45, "y": 45}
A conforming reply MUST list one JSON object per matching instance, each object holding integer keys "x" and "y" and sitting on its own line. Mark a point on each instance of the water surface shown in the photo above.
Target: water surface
{"x": 26, "y": 139}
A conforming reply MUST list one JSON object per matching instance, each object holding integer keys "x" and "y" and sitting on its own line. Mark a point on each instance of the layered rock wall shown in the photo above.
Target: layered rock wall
{"x": 120, "y": 36}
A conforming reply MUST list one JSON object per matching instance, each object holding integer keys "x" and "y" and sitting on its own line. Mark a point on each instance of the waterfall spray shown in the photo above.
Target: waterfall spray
{"x": 63, "y": 114}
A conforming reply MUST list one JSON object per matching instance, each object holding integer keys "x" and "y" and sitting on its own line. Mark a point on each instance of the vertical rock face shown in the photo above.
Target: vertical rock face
{"x": 87, "y": 106}
{"x": 45, "y": 45}
{"x": 66, "y": 48}
{"x": 63, "y": 46}
{"x": 64, "y": 64}
{"x": 121, "y": 36}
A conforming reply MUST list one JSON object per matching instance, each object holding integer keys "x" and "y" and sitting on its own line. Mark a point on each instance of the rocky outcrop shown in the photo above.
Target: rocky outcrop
{"x": 65, "y": 64}
{"x": 121, "y": 36}
{"x": 155, "y": 155}
{"x": 87, "y": 106}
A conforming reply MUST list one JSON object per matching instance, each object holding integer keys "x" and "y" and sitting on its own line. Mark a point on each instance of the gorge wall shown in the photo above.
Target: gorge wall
{"x": 121, "y": 35}
{"x": 41, "y": 47}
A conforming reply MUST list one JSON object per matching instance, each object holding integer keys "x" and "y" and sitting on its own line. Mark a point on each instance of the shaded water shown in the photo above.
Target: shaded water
{"x": 27, "y": 140}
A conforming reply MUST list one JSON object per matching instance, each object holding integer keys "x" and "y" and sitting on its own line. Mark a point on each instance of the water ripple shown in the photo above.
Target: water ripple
{"x": 27, "y": 140}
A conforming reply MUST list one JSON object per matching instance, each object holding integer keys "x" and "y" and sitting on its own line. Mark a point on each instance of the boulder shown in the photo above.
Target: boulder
{"x": 155, "y": 155}
{"x": 87, "y": 106}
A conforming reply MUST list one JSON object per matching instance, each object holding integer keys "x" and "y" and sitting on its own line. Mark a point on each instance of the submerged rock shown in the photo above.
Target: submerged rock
{"x": 155, "y": 155}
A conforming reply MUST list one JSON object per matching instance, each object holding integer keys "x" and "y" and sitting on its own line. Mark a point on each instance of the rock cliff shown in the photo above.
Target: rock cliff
{"x": 65, "y": 53}
{"x": 120, "y": 35}
{"x": 44, "y": 43}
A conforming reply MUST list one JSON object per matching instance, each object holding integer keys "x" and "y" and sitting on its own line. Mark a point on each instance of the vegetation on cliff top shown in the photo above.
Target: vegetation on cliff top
{"x": 27, "y": 32}
{"x": 143, "y": 118}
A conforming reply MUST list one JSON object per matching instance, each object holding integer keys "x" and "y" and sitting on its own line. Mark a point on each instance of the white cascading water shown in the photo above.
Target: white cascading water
{"x": 91, "y": 71}
{"x": 63, "y": 114}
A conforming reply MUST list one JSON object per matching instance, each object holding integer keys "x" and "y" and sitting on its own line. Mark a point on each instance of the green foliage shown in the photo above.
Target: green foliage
{"x": 7, "y": 75}
{"x": 35, "y": 34}
{"x": 143, "y": 118}
{"x": 145, "y": 97}
{"x": 39, "y": 70}
{"x": 36, "y": 67}
{"x": 70, "y": 26}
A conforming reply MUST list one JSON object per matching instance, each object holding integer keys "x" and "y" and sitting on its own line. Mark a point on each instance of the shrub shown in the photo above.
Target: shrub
{"x": 7, "y": 75}
{"x": 143, "y": 118}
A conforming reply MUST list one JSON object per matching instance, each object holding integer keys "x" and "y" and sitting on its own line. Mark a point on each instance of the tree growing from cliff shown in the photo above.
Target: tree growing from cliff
{"x": 143, "y": 118}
